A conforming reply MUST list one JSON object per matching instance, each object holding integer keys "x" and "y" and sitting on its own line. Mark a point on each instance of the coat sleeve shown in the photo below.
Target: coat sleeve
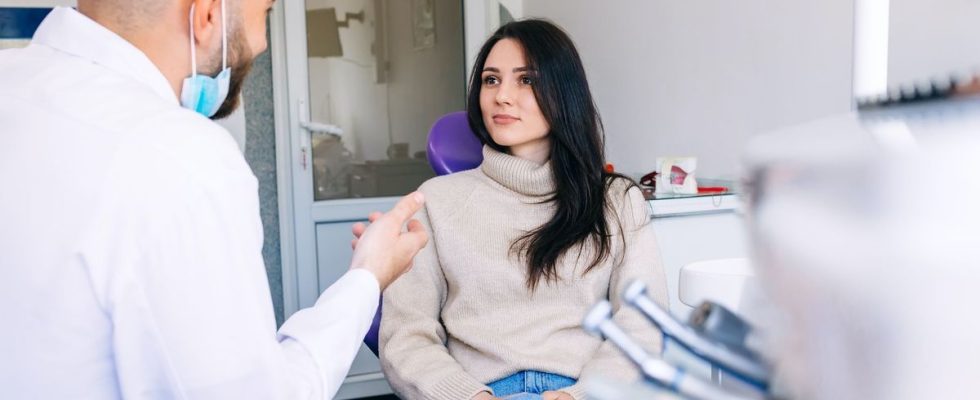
{"x": 174, "y": 258}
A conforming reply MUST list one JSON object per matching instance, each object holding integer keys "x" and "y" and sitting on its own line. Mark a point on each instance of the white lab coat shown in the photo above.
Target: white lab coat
{"x": 130, "y": 242}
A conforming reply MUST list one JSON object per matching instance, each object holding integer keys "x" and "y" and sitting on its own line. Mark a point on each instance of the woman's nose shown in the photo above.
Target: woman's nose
{"x": 504, "y": 95}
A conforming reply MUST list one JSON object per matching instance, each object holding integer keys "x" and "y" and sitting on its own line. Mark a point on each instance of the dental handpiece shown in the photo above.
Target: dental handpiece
{"x": 742, "y": 364}
{"x": 599, "y": 322}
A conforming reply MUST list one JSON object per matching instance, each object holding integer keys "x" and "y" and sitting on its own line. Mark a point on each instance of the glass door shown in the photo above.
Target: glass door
{"x": 366, "y": 80}
{"x": 380, "y": 73}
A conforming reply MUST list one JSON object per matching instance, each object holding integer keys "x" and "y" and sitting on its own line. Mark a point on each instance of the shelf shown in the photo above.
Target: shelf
{"x": 671, "y": 207}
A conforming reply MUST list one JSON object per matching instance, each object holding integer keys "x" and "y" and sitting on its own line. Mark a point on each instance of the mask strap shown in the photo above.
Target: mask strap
{"x": 224, "y": 37}
{"x": 193, "y": 46}
{"x": 224, "y": 40}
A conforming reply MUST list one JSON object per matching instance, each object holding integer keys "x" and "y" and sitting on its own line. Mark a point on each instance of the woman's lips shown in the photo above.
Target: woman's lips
{"x": 504, "y": 119}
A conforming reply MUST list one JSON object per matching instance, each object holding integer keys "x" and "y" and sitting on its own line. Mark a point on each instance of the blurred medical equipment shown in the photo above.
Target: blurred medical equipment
{"x": 714, "y": 334}
{"x": 865, "y": 230}
{"x": 866, "y": 238}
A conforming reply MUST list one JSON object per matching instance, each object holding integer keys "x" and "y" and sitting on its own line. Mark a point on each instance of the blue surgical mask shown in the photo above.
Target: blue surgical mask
{"x": 202, "y": 93}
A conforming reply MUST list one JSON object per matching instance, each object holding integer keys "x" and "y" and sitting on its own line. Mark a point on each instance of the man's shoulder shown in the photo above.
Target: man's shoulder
{"x": 190, "y": 142}
{"x": 111, "y": 106}
{"x": 72, "y": 88}
{"x": 178, "y": 155}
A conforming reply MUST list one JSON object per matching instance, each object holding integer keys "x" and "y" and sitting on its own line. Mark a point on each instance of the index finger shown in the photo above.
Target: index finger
{"x": 407, "y": 207}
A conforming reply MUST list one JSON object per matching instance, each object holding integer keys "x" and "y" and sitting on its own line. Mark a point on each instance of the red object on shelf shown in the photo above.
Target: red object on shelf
{"x": 712, "y": 189}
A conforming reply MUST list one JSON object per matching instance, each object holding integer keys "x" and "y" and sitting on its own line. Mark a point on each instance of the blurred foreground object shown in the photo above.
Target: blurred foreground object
{"x": 866, "y": 243}
{"x": 866, "y": 236}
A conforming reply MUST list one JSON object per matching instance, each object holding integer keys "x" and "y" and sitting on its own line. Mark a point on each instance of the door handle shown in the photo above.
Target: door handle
{"x": 312, "y": 127}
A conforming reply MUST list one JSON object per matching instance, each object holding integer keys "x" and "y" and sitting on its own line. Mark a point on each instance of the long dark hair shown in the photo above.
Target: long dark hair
{"x": 577, "y": 148}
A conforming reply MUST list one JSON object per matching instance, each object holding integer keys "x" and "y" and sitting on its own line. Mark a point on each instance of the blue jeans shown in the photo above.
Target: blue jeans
{"x": 529, "y": 384}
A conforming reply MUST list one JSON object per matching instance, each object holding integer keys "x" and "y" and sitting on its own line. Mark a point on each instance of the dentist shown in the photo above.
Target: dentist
{"x": 130, "y": 238}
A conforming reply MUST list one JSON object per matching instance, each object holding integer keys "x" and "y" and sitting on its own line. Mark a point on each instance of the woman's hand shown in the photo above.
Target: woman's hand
{"x": 485, "y": 396}
{"x": 555, "y": 395}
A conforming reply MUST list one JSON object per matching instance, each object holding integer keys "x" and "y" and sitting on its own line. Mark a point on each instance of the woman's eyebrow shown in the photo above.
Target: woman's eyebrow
{"x": 518, "y": 69}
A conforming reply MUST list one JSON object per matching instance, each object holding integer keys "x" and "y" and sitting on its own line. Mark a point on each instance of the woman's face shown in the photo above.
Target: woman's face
{"x": 510, "y": 110}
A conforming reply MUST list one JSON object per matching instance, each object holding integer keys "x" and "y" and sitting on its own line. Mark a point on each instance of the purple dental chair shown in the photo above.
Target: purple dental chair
{"x": 453, "y": 147}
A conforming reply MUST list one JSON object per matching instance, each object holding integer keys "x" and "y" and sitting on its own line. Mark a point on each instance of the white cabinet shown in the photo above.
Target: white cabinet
{"x": 689, "y": 230}
{"x": 696, "y": 229}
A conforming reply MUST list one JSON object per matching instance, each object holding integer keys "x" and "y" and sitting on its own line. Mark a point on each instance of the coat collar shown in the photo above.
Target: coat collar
{"x": 71, "y": 32}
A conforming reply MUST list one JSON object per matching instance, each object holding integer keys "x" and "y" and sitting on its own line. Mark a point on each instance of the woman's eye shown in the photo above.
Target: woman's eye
{"x": 490, "y": 80}
{"x": 526, "y": 80}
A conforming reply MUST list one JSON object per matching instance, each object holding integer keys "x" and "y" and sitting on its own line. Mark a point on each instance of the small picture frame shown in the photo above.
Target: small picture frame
{"x": 423, "y": 24}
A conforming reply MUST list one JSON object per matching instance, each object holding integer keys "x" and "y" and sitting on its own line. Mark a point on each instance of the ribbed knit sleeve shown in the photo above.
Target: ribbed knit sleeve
{"x": 641, "y": 260}
{"x": 412, "y": 344}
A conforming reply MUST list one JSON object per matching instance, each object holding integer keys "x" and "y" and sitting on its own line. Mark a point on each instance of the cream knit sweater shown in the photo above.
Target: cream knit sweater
{"x": 463, "y": 317}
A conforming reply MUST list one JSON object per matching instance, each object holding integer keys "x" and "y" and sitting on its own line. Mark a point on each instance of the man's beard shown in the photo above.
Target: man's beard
{"x": 240, "y": 60}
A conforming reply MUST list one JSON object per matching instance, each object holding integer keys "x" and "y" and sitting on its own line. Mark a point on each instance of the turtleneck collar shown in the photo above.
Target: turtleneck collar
{"x": 517, "y": 174}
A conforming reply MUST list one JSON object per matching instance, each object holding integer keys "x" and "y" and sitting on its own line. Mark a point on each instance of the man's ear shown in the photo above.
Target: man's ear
{"x": 207, "y": 22}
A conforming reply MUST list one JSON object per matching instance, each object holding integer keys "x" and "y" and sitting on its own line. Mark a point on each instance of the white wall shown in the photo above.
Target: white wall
{"x": 933, "y": 38}
{"x": 482, "y": 19}
{"x": 699, "y": 78}
{"x": 477, "y": 30}
{"x": 235, "y": 123}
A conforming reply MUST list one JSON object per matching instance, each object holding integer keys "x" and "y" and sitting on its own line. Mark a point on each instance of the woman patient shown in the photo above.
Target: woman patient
{"x": 524, "y": 245}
